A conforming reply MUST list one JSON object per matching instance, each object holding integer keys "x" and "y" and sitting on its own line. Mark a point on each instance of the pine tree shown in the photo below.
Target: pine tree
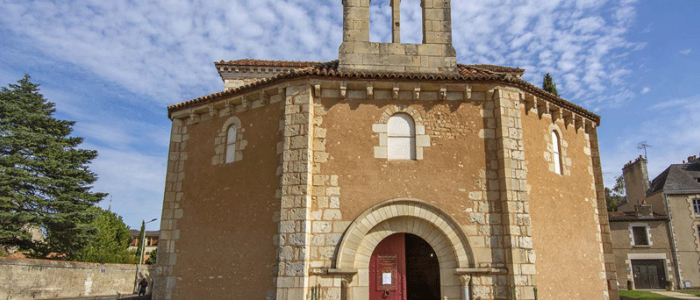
{"x": 44, "y": 177}
{"x": 549, "y": 86}
{"x": 141, "y": 238}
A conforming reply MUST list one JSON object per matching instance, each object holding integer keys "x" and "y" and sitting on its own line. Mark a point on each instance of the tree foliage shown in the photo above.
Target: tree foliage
{"x": 614, "y": 196}
{"x": 549, "y": 86}
{"x": 153, "y": 257}
{"x": 111, "y": 242}
{"x": 44, "y": 178}
{"x": 141, "y": 238}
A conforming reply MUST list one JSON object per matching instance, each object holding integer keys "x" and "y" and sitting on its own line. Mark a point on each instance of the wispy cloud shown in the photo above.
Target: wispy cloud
{"x": 646, "y": 89}
{"x": 667, "y": 128}
{"x": 686, "y": 51}
{"x": 149, "y": 54}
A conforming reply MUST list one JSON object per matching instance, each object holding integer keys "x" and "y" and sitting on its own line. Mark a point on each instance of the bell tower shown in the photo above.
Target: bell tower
{"x": 435, "y": 55}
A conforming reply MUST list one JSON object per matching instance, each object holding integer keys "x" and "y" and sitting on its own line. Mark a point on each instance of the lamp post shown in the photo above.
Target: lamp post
{"x": 143, "y": 247}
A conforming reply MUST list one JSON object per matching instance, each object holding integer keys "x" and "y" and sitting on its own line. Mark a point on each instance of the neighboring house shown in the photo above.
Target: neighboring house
{"x": 391, "y": 171}
{"x": 674, "y": 193}
{"x": 642, "y": 249}
{"x": 151, "y": 240}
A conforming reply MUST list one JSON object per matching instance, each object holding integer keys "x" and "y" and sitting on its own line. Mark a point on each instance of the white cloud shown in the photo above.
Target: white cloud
{"x": 646, "y": 89}
{"x": 163, "y": 50}
{"x": 686, "y": 51}
{"x": 667, "y": 129}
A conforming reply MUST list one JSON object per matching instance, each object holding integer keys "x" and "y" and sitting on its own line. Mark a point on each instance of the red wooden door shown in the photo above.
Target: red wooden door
{"x": 387, "y": 269}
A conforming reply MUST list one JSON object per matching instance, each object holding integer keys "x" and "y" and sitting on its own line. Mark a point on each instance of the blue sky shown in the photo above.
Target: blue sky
{"x": 113, "y": 66}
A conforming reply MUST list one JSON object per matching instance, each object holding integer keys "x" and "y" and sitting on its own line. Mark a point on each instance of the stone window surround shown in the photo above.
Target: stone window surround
{"x": 648, "y": 256}
{"x": 564, "y": 160}
{"x": 422, "y": 139}
{"x": 695, "y": 202}
{"x": 220, "y": 142}
{"x": 648, "y": 231}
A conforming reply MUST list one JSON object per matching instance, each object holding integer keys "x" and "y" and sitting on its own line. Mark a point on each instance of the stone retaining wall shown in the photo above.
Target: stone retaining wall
{"x": 47, "y": 279}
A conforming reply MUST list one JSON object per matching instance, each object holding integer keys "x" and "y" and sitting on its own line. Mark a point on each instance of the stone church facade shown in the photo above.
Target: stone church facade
{"x": 390, "y": 173}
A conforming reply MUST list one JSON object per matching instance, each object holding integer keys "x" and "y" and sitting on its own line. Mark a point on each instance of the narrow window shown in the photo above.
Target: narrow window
{"x": 556, "y": 157}
{"x": 231, "y": 144}
{"x": 401, "y": 137}
{"x": 699, "y": 232}
{"x": 696, "y": 206}
{"x": 640, "y": 236}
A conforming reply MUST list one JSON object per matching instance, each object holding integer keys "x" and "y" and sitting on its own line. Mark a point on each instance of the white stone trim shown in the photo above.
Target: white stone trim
{"x": 668, "y": 267}
{"x": 565, "y": 161}
{"x": 220, "y": 142}
{"x": 412, "y": 216}
{"x": 422, "y": 139}
{"x": 648, "y": 231}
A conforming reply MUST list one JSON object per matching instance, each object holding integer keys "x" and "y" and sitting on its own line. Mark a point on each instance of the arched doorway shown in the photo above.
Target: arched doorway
{"x": 404, "y": 267}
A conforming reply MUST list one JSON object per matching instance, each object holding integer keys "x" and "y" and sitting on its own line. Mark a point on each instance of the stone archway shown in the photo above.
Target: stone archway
{"x": 412, "y": 216}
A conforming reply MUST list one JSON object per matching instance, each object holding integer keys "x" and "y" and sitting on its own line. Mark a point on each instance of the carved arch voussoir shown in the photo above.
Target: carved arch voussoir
{"x": 413, "y": 216}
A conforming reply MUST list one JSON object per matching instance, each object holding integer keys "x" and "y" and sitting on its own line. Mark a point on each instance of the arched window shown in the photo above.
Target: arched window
{"x": 231, "y": 144}
{"x": 556, "y": 147}
{"x": 401, "y": 137}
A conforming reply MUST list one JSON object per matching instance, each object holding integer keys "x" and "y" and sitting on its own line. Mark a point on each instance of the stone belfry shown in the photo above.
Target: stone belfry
{"x": 435, "y": 55}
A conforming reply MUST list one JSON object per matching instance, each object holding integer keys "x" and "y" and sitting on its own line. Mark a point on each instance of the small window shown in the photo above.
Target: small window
{"x": 696, "y": 206}
{"x": 401, "y": 137}
{"x": 698, "y": 232}
{"x": 640, "y": 236}
{"x": 555, "y": 149}
{"x": 231, "y": 144}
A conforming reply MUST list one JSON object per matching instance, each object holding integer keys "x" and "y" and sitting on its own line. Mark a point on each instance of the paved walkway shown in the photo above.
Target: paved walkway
{"x": 676, "y": 295}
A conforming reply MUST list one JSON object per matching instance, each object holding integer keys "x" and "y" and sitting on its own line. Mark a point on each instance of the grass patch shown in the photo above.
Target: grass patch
{"x": 690, "y": 292}
{"x": 643, "y": 295}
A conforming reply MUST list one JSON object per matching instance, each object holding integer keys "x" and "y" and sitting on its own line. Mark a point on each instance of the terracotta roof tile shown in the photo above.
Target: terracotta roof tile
{"x": 632, "y": 216}
{"x": 467, "y": 73}
{"x": 266, "y": 63}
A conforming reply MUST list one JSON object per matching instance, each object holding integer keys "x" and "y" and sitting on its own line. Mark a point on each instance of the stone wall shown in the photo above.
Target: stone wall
{"x": 46, "y": 279}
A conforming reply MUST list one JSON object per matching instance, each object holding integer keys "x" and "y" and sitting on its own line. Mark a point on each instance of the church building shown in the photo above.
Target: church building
{"x": 392, "y": 173}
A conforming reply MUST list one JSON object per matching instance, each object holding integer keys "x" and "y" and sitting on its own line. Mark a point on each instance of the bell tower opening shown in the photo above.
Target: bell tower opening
{"x": 412, "y": 22}
{"x": 380, "y": 21}
{"x": 435, "y": 55}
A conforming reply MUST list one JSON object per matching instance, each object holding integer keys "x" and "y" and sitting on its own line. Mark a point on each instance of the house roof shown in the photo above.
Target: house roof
{"x": 677, "y": 177}
{"x": 135, "y": 233}
{"x": 466, "y": 73}
{"x": 632, "y": 216}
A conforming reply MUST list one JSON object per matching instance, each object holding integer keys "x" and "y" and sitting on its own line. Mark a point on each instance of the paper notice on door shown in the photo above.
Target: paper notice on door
{"x": 386, "y": 278}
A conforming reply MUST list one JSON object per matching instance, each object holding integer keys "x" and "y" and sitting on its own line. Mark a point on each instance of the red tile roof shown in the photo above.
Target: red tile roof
{"x": 467, "y": 73}
{"x": 266, "y": 63}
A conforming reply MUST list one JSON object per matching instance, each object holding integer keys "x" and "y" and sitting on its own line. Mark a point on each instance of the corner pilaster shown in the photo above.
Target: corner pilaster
{"x": 294, "y": 226}
{"x": 512, "y": 175}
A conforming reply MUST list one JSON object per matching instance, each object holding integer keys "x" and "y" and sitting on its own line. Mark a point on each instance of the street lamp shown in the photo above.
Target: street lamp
{"x": 143, "y": 246}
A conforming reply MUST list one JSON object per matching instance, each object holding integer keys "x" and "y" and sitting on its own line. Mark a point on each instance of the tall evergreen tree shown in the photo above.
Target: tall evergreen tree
{"x": 141, "y": 235}
{"x": 44, "y": 178}
{"x": 549, "y": 86}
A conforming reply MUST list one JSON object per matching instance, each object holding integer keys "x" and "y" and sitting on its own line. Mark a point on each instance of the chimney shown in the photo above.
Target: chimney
{"x": 636, "y": 180}
{"x": 644, "y": 210}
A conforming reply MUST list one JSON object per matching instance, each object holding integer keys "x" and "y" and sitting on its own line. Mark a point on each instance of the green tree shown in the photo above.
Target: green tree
{"x": 549, "y": 86}
{"x": 111, "y": 241}
{"x": 152, "y": 258}
{"x": 141, "y": 235}
{"x": 614, "y": 196}
{"x": 44, "y": 178}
